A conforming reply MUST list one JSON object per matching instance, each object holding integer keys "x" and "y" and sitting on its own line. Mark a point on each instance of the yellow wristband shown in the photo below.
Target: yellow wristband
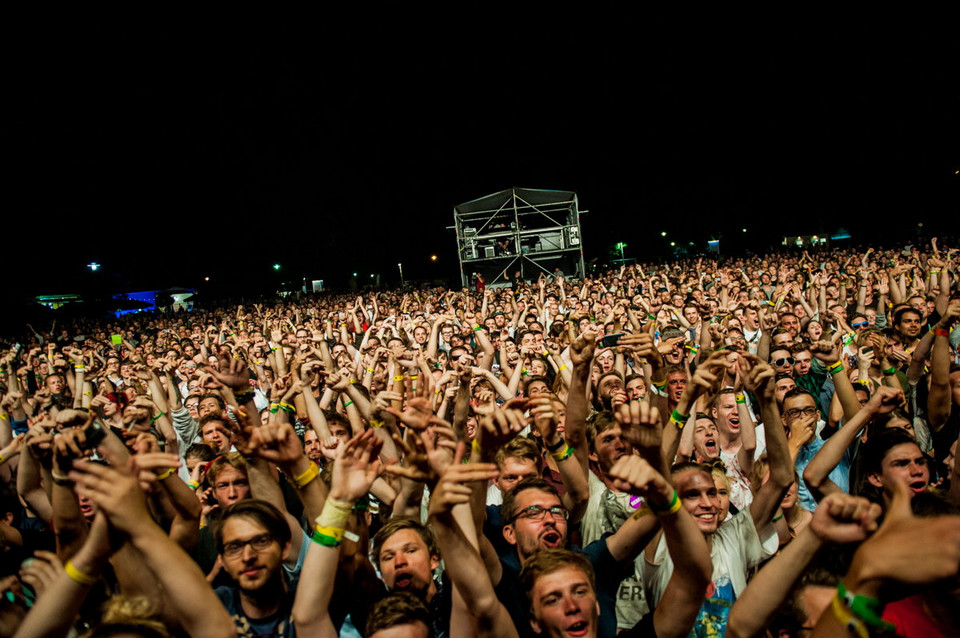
{"x": 333, "y": 532}
{"x": 78, "y": 576}
{"x": 165, "y": 475}
{"x": 399, "y": 377}
{"x": 476, "y": 446}
{"x": 308, "y": 475}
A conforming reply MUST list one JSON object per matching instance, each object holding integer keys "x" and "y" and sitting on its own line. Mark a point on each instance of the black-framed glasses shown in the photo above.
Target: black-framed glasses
{"x": 795, "y": 412}
{"x": 259, "y": 544}
{"x": 782, "y": 361}
{"x": 537, "y": 513}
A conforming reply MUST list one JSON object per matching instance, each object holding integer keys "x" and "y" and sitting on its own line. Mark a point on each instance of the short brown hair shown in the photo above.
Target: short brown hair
{"x": 399, "y": 608}
{"x": 262, "y": 513}
{"x": 510, "y": 498}
{"x": 597, "y": 424}
{"x": 233, "y": 459}
{"x": 547, "y": 561}
{"x": 519, "y": 447}
{"x": 393, "y": 526}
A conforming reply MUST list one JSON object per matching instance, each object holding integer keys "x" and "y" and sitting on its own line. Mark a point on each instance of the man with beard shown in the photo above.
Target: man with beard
{"x": 253, "y": 540}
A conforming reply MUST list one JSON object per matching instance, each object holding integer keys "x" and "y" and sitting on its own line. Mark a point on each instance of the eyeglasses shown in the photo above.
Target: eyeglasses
{"x": 795, "y": 412}
{"x": 259, "y": 544}
{"x": 537, "y": 513}
{"x": 859, "y": 324}
{"x": 782, "y": 361}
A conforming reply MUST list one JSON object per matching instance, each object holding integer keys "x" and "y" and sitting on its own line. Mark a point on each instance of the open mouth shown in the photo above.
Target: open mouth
{"x": 403, "y": 581}
{"x": 918, "y": 486}
{"x": 552, "y": 539}
{"x": 735, "y": 423}
{"x": 578, "y": 628}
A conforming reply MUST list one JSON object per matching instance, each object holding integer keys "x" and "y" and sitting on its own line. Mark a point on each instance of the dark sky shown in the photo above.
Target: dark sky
{"x": 169, "y": 154}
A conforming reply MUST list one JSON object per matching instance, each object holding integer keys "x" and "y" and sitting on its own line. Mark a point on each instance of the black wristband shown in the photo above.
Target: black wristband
{"x": 555, "y": 448}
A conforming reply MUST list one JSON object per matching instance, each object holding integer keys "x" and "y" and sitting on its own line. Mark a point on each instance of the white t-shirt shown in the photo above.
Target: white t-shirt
{"x": 736, "y": 548}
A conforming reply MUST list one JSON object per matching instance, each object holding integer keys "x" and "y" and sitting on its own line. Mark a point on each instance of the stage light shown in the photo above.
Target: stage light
{"x": 433, "y": 257}
{"x": 663, "y": 234}
{"x": 93, "y": 266}
{"x": 276, "y": 266}
{"x": 206, "y": 279}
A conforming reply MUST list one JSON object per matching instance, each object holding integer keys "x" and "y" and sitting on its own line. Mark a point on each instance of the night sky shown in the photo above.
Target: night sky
{"x": 170, "y": 154}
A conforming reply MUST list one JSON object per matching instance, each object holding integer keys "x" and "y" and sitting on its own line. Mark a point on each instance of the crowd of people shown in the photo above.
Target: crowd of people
{"x": 748, "y": 446}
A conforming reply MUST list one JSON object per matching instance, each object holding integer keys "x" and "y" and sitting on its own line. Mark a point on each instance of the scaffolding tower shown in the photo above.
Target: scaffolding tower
{"x": 521, "y": 230}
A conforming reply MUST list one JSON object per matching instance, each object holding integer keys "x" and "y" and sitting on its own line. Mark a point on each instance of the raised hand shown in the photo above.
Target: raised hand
{"x": 356, "y": 467}
{"x": 277, "y": 443}
{"x": 230, "y": 372}
{"x": 640, "y": 424}
{"x": 906, "y": 549}
{"x": 453, "y": 488}
{"x": 545, "y": 419}
{"x": 842, "y": 518}
{"x": 757, "y": 376}
{"x": 885, "y": 400}
{"x": 583, "y": 347}
{"x": 115, "y": 492}
{"x": 634, "y": 475}
{"x": 496, "y": 429}
{"x": 416, "y": 414}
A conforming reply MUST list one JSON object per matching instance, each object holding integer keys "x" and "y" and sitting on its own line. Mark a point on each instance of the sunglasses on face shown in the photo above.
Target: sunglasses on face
{"x": 859, "y": 324}
{"x": 782, "y": 361}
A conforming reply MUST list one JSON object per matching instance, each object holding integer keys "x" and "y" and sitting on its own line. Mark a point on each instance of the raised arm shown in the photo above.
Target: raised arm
{"x": 683, "y": 596}
{"x": 187, "y": 592}
{"x": 883, "y": 401}
{"x": 354, "y": 471}
{"x": 456, "y": 535}
{"x": 941, "y": 397}
{"x": 841, "y": 518}
{"x": 758, "y": 378}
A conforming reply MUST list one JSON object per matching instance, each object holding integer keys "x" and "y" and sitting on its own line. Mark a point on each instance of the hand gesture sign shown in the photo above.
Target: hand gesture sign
{"x": 453, "y": 488}
{"x": 757, "y": 376}
{"x": 230, "y": 372}
{"x": 356, "y": 467}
